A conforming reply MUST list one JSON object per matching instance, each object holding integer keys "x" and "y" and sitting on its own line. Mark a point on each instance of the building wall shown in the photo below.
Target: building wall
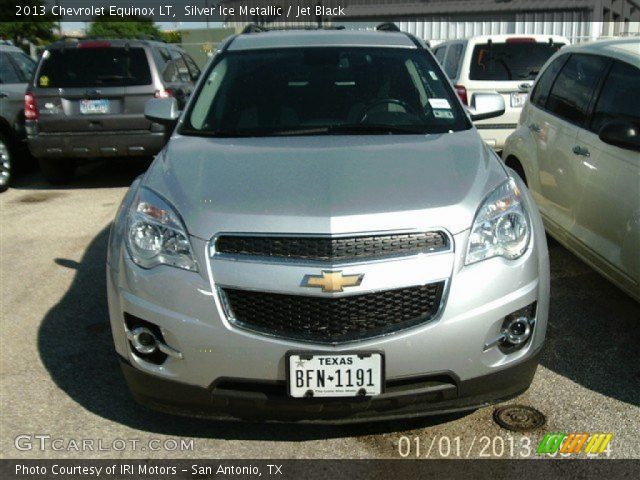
{"x": 576, "y": 26}
{"x": 438, "y": 20}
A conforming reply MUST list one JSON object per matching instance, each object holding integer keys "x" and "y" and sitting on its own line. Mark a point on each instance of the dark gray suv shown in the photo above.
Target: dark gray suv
{"x": 16, "y": 69}
{"x": 87, "y": 100}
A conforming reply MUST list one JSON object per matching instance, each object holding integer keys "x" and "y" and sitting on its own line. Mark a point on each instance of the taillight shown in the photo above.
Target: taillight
{"x": 165, "y": 93}
{"x": 462, "y": 93}
{"x": 30, "y": 107}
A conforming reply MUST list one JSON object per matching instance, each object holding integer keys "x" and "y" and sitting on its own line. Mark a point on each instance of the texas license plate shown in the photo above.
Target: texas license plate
{"x": 518, "y": 99}
{"x": 91, "y": 107}
{"x": 335, "y": 375}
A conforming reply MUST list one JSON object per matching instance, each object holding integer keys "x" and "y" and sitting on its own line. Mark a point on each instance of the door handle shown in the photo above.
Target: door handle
{"x": 3, "y": 95}
{"x": 534, "y": 127}
{"x": 582, "y": 151}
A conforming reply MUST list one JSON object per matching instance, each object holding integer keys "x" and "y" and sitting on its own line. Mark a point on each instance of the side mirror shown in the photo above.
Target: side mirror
{"x": 621, "y": 133}
{"x": 486, "y": 105}
{"x": 162, "y": 110}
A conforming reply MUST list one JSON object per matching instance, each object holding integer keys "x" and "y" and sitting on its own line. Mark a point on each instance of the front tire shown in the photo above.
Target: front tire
{"x": 57, "y": 170}
{"x": 6, "y": 155}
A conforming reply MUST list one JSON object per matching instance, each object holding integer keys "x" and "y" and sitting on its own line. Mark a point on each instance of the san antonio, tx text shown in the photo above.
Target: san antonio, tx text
{"x": 146, "y": 469}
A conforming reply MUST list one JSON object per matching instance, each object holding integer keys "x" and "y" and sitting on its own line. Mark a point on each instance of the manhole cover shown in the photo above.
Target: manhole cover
{"x": 518, "y": 418}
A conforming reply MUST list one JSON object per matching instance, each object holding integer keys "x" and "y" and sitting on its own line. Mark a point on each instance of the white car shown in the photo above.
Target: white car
{"x": 577, "y": 147}
{"x": 507, "y": 64}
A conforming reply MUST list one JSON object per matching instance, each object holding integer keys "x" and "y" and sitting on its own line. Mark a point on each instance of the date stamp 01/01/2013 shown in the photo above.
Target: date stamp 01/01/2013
{"x": 485, "y": 446}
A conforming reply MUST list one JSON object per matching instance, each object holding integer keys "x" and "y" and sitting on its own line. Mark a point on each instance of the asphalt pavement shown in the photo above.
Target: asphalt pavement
{"x": 62, "y": 393}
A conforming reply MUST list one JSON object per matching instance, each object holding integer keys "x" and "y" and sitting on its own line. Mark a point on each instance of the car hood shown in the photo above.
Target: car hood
{"x": 326, "y": 184}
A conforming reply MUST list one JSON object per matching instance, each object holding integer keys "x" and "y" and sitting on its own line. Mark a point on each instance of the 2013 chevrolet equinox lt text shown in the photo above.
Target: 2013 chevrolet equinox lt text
{"x": 325, "y": 237}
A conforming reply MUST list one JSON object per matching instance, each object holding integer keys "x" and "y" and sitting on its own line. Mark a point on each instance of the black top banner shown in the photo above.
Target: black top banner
{"x": 261, "y": 11}
{"x": 175, "y": 10}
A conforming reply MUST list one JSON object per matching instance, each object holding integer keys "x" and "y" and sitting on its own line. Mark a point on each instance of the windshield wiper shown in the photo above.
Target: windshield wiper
{"x": 370, "y": 128}
{"x": 353, "y": 129}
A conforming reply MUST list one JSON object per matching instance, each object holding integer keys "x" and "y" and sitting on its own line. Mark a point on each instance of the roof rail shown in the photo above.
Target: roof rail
{"x": 388, "y": 27}
{"x": 79, "y": 38}
{"x": 254, "y": 28}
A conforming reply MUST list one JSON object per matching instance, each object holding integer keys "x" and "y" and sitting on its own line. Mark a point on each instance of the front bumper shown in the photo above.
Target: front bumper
{"x": 237, "y": 399}
{"x": 227, "y": 371}
{"x": 96, "y": 144}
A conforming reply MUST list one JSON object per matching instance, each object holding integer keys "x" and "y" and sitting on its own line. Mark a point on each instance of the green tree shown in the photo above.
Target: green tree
{"x": 171, "y": 36}
{"x": 37, "y": 32}
{"x": 128, "y": 27}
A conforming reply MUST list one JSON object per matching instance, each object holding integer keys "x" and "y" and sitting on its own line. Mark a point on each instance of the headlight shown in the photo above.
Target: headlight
{"x": 156, "y": 234}
{"x": 501, "y": 227}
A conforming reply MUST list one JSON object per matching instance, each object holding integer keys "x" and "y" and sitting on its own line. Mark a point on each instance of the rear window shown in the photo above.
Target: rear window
{"x": 94, "y": 67}
{"x": 510, "y": 61}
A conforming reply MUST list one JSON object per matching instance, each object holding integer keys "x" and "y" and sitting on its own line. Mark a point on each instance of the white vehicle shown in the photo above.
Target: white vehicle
{"x": 507, "y": 64}
{"x": 578, "y": 149}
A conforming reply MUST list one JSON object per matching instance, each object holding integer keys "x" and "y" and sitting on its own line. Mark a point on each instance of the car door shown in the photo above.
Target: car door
{"x": 555, "y": 128}
{"x": 12, "y": 87}
{"x": 607, "y": 204}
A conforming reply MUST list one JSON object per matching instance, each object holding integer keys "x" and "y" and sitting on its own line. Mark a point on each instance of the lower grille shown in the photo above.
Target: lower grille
{"x": 333, "y": 320}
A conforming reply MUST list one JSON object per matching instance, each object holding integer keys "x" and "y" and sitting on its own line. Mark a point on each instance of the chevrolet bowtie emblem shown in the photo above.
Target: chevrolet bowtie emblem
{"x": 331, "y": 282}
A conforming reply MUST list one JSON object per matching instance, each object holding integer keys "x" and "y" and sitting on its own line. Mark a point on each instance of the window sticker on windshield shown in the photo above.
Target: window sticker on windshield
{"x": 44, "y": 81}
{"x": 439, "y": 103}
{"x": 443, "y": 113}
{"x": 433, "y": 75}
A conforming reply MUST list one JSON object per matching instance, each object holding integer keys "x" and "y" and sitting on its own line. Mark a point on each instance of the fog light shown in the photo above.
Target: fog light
{"x": 144, "y": 340}
{"x": 147, "y": 341}
{"x": 515, "y": 331}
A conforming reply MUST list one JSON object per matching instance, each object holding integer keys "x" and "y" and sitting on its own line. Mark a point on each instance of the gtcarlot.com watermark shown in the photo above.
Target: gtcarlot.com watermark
{"x": 44, "y": 442}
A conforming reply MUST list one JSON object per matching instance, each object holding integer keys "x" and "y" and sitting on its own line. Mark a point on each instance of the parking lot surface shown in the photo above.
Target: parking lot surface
{"x": 62, "y": 393}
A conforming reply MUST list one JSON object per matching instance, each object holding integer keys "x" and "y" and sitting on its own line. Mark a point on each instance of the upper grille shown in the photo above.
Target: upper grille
{"x": 335, "y": 319}
{"x": 333, "y": 248}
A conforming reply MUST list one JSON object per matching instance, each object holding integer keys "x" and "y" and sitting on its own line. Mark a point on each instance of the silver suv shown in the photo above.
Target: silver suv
{"x": 325, "y": 237}
{"x": 87, "y": 100}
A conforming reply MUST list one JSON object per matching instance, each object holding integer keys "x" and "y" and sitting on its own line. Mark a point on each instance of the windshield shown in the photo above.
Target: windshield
{"x": 510, "y": 61}
{"x": 94, "y": 67}
{"x": 339, "y": 90}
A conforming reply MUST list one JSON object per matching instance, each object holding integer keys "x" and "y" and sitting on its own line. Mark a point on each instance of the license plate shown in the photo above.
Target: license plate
{"x": 518, "y": 99}
{"x": 91, "y": 107}
{"x": 335, "y": 375}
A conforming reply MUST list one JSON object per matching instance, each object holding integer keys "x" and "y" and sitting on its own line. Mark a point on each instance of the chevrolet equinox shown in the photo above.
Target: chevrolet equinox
{"x": 325, "y": 237}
